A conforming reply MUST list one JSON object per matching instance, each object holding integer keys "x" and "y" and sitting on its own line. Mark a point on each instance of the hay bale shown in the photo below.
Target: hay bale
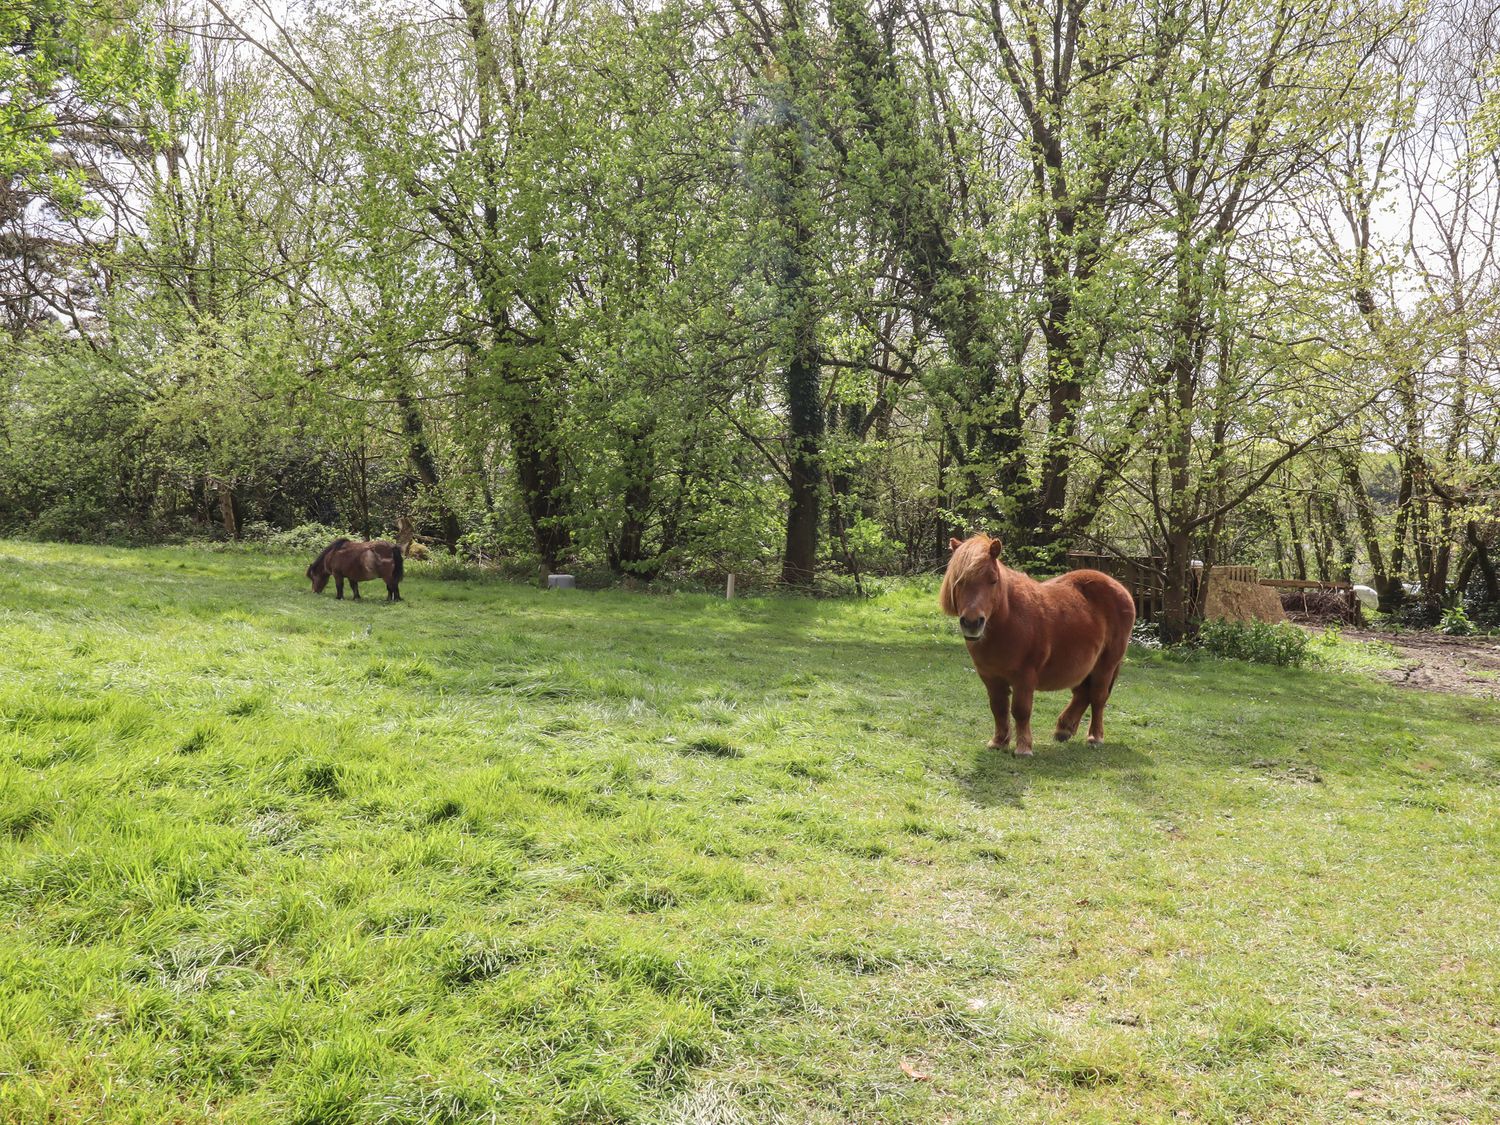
{"x": 1232, "y": 599}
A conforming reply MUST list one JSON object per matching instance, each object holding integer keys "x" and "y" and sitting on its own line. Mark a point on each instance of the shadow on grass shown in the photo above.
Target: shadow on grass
{"x": 997, "y": 777}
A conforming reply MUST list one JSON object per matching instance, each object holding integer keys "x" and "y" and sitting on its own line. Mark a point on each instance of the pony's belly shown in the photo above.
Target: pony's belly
{"x": 365, "y": 568}
{"x": 1065, "y": 675}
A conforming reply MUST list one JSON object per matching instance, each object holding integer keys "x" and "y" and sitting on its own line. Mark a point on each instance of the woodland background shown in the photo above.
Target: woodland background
{"x": 795, "y": 290}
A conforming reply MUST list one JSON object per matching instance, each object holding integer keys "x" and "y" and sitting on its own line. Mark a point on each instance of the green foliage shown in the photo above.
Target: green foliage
{"x": 306, "y": 538}
{"x": 443, "y": 566}
{"x": 1259, "y": 642}
{"x": 94, "y": 51}
{"x": 736, "y": 271}
{"x": 1455, "y": 622}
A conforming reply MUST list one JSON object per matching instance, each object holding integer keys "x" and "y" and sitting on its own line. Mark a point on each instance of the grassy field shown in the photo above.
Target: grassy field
{"x": 503, "y": 854}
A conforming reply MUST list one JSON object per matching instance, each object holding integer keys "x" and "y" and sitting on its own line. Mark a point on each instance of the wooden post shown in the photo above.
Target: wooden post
{"x": 729, "y": 589}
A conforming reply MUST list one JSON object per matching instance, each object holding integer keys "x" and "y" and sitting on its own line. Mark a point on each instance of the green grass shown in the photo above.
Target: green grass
{"x": 1345, "y": 654}
{"x": 504, "y": 854}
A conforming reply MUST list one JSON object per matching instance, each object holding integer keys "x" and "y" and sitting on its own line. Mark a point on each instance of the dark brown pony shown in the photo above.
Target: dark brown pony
{"x": 358, "y": 562}
{"x": 1025, "y": 636}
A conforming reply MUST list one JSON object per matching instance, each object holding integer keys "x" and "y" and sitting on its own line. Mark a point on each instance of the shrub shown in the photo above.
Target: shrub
{"x": 1146, "y": 634}
{"x": 1455, "y": 622}
{"x": 304, "y": 538}
{"x": 444, "y": 567}
{"x": 1481, "y": 609}
{"x": 1256, "y": 641}
{"x": 1415, "y": 613}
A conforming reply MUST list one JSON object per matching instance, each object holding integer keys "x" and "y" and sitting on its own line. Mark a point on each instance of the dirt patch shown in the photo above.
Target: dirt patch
{"x": 1433, "y": 662}
{"x": 1288, "y": 771}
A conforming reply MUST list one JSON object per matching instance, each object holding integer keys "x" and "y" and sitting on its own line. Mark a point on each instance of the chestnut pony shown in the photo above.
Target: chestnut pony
{"x": 358, "y": 562}
{"x": 1025, "y": 636}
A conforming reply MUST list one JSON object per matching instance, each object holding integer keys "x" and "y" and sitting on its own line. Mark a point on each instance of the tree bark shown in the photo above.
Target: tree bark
{"x": 627, "y": 554}
{"x": 805, "y": 418}
{"x": 1387, "y": 588}
{"x": 539, "y": 474}
{"x": 419, "y": 453}
{"x": 226, "y": 509}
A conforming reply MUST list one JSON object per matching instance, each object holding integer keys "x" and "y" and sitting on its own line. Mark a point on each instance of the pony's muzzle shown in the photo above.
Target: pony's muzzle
{"x": 971, "y": 627}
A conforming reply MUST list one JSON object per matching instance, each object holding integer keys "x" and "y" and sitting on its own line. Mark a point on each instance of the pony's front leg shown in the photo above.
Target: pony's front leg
{"x": 999, "y": 707}
{"x": 1020, "y": 709}
{"x": 338, "y": 584}
{"x": 353, "y": 585}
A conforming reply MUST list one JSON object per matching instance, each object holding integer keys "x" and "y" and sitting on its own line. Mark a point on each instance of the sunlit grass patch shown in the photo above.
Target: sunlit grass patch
{"x": 504, "y": 855}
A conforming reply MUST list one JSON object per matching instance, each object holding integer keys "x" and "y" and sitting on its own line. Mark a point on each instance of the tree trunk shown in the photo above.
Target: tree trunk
{"x": 1177, "y": 603}
{"x": 1387, "y": 587}
{"x": 1295, "y": 533}
{"x": 539, "y": 474}
{"x": 1486, "y": 566}
{"x": 1338, "y": 521}
{"x": 362, "y": 490}
{"x": 226, "y": 509}
{"x": 1179, "y": 395}
{"x": 1398, "y": 539}
{"x": 627, "y": 554}
{"x": 1064, "y": 393}
{"x": 805, "y": 410}
{"x": 419, "y": 453}
{"x": 795, "y": 197}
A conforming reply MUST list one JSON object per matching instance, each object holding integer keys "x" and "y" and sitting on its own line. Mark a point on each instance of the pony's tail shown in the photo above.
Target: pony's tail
{"x": 400, "y": 570}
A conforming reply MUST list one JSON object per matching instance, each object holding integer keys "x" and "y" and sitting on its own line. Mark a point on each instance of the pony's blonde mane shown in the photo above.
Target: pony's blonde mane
{"x": 969, "y": 558}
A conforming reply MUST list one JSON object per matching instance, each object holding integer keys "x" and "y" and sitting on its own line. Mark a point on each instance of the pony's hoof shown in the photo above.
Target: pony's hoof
{"x": 1062, "y": 735}
{"x": 1096, "y": 740}
{"x": 1023, "y": 751}
{"x": 998, "y": 743}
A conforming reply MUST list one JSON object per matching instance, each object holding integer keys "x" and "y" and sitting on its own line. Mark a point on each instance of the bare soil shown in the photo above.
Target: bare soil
{"x": 1434, "y": 662}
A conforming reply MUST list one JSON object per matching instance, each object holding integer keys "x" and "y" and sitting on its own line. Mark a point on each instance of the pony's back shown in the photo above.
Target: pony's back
{"x": 328, "y": 550}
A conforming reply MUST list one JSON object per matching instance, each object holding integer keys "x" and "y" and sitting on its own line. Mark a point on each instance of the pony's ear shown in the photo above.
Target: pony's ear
{"x": 955, "y": 543}
{"x": 995, "y": 548}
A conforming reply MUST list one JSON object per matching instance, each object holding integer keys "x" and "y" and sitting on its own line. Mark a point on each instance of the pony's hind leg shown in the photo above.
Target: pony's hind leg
{"x": 1067, "y": 722}
{"x": 353, "y": 585}
{"x": 1103, "y": 681}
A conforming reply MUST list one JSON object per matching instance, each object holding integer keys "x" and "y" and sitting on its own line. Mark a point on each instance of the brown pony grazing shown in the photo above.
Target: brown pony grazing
{"x": 1025, "y": 636}
{"x": 358, "y": 562}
